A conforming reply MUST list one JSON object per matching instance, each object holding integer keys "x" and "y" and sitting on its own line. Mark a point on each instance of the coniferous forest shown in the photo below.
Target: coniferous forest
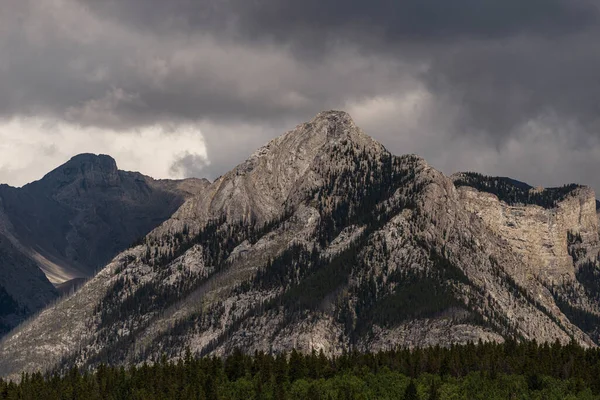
{"x": 514, "y": 192}
{"x": 475, "y": 371}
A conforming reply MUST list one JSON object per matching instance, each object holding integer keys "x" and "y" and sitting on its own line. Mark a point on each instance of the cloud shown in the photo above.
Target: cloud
{"x": 384, "y": 19}
{"x": 546, "y": 151}
{"x": 30, "y": 147}
{"x": 188, "y": 165}
{"x": 481, "y": 85}
{"x": 103, "y": 110}
{"x": 72, "y": 64}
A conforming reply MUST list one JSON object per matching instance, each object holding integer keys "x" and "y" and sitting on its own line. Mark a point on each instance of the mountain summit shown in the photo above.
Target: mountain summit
{"x": 65, "y": 226}
{"x": 324, "y": 240}
{"x": 83, "y": 170}
{"x": 260, "y": 188}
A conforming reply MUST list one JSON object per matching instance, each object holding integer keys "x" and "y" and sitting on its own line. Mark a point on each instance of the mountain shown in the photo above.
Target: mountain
{"x": 324, "y": 240}
{"x": 23, "y": 286}
{"x": 64, "y": 227}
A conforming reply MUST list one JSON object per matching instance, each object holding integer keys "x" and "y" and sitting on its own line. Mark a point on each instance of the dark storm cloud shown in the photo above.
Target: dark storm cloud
{"x": 497, "y": 57}
{"x": 141, "y": 60}
{"x": 393, "y": 19}
{"x": 502, "y": 84}
{"x": 389, "y": 22}
{"x": 471, "y": 77}
{"x": 85, "y": 64}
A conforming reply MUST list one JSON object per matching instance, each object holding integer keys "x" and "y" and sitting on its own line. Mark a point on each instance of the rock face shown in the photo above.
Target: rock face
{"x": 72, "y": 222}
{"x": 325, "y": 240}
{"x": 540, "y": 235}
{"x": 257, "y": 190}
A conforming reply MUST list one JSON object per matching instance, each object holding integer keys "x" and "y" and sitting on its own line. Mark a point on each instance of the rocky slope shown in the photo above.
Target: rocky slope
{"x": 72, "y": 222}
{"x": 325, "y": 240}
{"x": 23, "y": 286}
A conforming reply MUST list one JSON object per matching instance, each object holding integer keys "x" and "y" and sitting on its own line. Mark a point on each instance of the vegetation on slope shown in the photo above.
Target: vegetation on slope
{"x": 513, "y": 192}
{"x": 484, "y": 371}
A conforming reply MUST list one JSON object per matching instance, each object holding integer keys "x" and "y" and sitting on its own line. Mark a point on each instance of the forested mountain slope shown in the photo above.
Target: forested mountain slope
{"x": 324, "y": 240}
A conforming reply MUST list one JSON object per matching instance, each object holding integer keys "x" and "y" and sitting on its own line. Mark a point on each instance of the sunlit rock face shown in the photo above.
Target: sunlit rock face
{"x": 322, "y": 239}
{"x": 538, "y": 234}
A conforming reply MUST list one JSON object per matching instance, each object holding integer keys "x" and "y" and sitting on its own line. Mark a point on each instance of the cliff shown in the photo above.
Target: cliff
{"x": 325, "y": 240}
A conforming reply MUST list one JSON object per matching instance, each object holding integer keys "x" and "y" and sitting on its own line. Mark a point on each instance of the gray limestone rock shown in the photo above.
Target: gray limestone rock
{"x": 322, "y": 239}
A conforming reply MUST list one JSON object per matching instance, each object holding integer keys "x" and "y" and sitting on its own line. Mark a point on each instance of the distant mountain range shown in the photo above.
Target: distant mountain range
{"x": 61, "y": 229}
{"x": 321, "y": 240}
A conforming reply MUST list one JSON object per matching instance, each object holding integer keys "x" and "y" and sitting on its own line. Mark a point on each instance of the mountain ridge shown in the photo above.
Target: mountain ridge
{"x": 324, "y": 240}
{"x": 74, "y": 220}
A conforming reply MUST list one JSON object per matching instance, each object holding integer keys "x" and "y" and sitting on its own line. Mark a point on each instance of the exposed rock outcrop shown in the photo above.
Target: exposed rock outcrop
{"x": 324, "y": 240}
{"x": 538, "y": 234}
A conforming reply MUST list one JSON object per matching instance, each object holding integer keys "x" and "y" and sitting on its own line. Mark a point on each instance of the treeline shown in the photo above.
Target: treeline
{"x": 483, "y": 371}
{"x": 513, "y": 192}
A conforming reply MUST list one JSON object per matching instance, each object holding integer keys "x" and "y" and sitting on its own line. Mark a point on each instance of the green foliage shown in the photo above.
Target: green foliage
{"x": 567, "y": 298}
{"x": 574, "y": 238}
{"x": 486, "y": 371}
{"x": 415, "y": 296}
{"x": 411, "y": 392}
{"x": 352, "y": 195}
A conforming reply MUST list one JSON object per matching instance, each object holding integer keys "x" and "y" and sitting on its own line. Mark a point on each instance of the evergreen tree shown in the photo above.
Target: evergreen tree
{"x": 411, "y": 391}
{"x": 297, "y": 366}
{"x": 523, "y": 370}
{"x": 433, "y": 391}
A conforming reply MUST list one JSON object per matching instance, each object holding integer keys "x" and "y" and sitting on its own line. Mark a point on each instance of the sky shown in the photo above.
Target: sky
{"x": 185, "y": 88}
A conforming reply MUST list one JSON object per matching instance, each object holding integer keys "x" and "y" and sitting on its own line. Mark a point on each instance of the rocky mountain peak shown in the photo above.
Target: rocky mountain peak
{"x": 325, "y": 128}
{"x": 336, "y": 126}
{"x": 333, "y": 123}
{"x": 85, "y": 211}
{"x": 89, "y": 170}
{"x": 324, "y": 240}
{"x": 91, "y": 160}
{"x": 280, "y": 171}
{"x": 554, "y": 229}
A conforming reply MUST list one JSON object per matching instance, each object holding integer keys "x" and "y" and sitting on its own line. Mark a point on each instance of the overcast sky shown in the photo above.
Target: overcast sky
{"x": 191, "y": 87}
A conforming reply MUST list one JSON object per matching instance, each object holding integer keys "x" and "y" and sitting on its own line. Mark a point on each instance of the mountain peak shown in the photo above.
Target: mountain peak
{"x": 309, "y": 137}
{"x": 278, "y": 172}
{"x": 89, "y": 159}
{"x": 89, "y": 164}
{"x": 336, "y": 116}
{"x": 90, "y": 169}
{"x": 324, "y": 240}
{"x": 333, "y": 124}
